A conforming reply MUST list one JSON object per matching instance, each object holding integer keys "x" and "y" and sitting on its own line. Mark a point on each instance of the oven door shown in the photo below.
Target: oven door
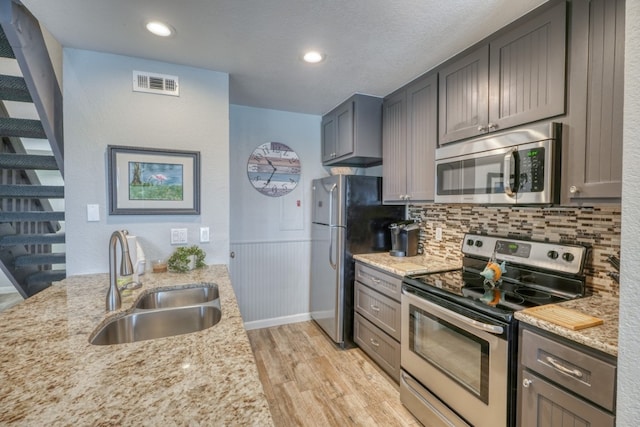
{"x": 458, "y": 356}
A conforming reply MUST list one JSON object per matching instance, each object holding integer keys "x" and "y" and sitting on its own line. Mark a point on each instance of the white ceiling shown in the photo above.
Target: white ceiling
{"x": 372, "y": 46}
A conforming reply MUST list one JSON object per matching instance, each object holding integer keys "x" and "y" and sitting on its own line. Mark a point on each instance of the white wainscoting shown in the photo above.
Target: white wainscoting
{"x": 271, "y": 281}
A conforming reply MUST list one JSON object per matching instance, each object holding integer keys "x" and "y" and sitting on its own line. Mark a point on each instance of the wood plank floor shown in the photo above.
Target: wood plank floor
{"x": 309, "y": 381}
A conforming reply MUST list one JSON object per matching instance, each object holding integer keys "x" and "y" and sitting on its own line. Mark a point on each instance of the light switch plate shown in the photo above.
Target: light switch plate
{"x": 93, "y": 213}
{"x": 178, "y": 236}
{"x": 438, "y": 234}
{"x": 204, "y": 234}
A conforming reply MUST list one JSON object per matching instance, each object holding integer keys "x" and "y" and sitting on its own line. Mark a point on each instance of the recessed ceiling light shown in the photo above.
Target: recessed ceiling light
{"x": 159, "y": 28}
{"x": 313, "y": 57}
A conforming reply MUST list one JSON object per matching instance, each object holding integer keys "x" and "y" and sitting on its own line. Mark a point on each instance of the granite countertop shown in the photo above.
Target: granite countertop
{"x": 603, "y": 337}
{"x": 403, "y": 266}
{"x": 51, "y": 375}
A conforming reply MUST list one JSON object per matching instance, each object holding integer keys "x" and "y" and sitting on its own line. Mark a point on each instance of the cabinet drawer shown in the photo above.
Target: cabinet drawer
{"x": 383, "y": 349}
{"x": 381, "y": 310}
{"x": 382, "y": 282}
{"x": 543, "y": 404}
{"x": 585, "y": 375}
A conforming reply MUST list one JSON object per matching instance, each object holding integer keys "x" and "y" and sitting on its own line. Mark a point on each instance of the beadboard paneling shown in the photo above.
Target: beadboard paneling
{"x": 271, "y": 279}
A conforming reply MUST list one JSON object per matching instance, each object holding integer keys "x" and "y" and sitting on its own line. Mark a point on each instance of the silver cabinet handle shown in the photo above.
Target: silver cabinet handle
{"x": 482, "y": 128}
{"x": 492, "y": 126}
{"x": 374, "y": 342}
{"x": 526, "y": 382}
{"x": 374, "y": 307}
{"x": 573, "y": 372}
{"x": 375, "y": 280}
{"x": 573, "y": 189}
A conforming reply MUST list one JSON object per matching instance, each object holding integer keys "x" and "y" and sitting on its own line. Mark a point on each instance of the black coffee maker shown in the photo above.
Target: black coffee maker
{"x": 404, "y": 238}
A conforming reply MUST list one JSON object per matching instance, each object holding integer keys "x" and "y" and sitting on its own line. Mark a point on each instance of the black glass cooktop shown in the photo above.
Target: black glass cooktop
{"x": 505, "y": 296}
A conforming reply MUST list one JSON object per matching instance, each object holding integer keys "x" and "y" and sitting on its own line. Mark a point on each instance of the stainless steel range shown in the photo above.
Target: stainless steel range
{"x": 459, "y": 334}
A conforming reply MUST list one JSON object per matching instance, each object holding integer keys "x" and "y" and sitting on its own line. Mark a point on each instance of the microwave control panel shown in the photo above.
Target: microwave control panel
{"x": 531, "y": 173}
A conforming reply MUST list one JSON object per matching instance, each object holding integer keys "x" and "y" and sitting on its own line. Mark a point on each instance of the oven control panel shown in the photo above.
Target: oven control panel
{"x": 558, "y": 257}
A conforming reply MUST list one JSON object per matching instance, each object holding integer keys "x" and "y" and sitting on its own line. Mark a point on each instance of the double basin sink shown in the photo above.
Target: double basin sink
{"x": 163, "y": 313}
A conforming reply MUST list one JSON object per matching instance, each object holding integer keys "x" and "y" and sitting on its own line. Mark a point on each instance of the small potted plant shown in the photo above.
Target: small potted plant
{"x": 186, "y": 258}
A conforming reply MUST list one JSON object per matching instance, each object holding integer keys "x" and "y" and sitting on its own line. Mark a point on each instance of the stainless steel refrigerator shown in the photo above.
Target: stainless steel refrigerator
{"x": 348, "y": 218}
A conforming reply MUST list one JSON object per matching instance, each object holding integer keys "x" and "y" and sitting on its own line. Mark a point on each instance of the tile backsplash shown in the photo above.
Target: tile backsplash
{"x": 598, "y": 227}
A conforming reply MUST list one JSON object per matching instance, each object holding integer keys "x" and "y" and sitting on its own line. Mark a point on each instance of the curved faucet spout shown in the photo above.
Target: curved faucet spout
{"x": 126, "y": 267}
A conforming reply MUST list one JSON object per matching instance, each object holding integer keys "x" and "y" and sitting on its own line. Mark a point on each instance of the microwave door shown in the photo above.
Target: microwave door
{"x": 489, "y": 178}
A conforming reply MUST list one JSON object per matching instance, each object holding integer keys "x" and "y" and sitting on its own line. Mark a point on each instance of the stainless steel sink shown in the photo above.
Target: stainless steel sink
{"x": 180, "y": 297}
{"x": 151, "y": 324}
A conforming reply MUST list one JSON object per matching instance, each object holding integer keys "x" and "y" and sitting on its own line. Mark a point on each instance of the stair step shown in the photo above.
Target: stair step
{"x": 26, "y": 191}
{"x": 36, "y": 216}
{"x": 27, "y": 161}
{"x": 32, "y": 239}
{"x": 42, "y": 280}
{"x": 5, "y": 47}
{"x": 22, "y": 128}
{"x": 13, "y": 88}
{"x": 40, "y": 259}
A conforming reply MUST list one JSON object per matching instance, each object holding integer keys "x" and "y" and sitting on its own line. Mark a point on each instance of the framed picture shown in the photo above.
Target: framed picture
{"x": 150, "y": 181}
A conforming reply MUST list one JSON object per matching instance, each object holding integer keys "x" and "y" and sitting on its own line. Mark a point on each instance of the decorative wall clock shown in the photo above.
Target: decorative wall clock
{"x": 273, "y": 169}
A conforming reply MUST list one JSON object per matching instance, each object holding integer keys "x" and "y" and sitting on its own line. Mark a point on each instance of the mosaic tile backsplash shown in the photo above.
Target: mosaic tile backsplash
{"x": 598, "y": 227}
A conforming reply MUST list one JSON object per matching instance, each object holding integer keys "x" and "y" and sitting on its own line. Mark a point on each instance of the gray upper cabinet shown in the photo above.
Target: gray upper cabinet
{"x": 517, "y": 77}
{"x": 464, "y": 96}
{"x": 352, "y": 132}
{"x": 410, "y": 136}
{"x": 593, "y": 151}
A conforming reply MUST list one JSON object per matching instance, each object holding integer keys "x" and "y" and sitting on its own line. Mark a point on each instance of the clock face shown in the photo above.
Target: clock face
{"x": 273, "y": 169}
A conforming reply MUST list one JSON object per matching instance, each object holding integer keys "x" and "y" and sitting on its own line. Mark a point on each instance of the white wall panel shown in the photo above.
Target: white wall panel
{"x": 271, "y": 280}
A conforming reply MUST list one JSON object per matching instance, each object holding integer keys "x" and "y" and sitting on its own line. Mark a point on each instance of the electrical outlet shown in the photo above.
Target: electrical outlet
{"x": 204, "y": 234}
{"x": 178, "y": 236}
{"x": 438, "y": 234}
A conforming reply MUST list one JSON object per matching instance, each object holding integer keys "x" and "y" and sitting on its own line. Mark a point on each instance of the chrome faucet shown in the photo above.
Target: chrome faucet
{"x": 126, "y": 268}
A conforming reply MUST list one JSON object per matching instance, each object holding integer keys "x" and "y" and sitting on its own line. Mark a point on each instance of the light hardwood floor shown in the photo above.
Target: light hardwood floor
{"x": 309, "y": 381}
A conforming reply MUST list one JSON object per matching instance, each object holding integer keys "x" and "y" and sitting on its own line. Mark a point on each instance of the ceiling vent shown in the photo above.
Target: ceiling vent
{"x": 161, "y": 84}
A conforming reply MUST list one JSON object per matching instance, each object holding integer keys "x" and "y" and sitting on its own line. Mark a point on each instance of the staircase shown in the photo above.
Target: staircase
{"x": 31, "y": 237}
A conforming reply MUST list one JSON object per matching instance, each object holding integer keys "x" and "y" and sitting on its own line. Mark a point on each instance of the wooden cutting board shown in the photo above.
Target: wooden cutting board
{"x": 566, "y": 317}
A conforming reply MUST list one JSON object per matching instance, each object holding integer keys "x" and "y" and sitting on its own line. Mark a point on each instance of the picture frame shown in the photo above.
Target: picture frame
{"x": 152, "y": 181}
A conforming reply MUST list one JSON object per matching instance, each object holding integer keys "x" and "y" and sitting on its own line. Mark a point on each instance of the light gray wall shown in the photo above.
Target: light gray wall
{"x": 100, "y": 109}
{"x": 629, "y": 335}
{"x": 270, "y": 236}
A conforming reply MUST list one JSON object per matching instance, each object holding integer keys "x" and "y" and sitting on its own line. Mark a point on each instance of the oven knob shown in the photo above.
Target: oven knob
{"x": 567, "y": 256}
{"x": 552, "y": 254}
{"x": 470, "y": 242}
{"x": 478, "y": 243}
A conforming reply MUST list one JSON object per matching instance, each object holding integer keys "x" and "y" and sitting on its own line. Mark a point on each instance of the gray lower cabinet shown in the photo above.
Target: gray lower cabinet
{"x": 351, "y": 133}
{"x": 409, "y": 141}
{"x": 563, "y": 383}
{"x": 516, "y": 77}
{"x": 593, "y": 152}
{"x": 377, "y": 317}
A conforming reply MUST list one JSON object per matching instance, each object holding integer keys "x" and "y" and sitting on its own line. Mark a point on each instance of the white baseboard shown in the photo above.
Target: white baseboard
{"x": 8, "y": 290}
{"x": 276, "y": 321}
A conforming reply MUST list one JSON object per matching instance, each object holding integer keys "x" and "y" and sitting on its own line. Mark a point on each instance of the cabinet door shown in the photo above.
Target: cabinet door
{"x": 422, "y": 115}
{"x": 543, "y": 404}
{"x": 328, "y": 130}
{"x": 463, "y": 104}
{"x": 527, "y": 71}
{"x": 394, "y": 148}
{"x": 594, "y": 158}
{"x": 344, "y": 130}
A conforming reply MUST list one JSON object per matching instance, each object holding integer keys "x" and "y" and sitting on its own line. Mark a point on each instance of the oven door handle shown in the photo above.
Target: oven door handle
{"x": 493, "y": 329}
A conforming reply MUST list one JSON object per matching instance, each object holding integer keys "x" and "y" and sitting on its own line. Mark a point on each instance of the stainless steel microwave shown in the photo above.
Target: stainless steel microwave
{"x": 517, "y": 167}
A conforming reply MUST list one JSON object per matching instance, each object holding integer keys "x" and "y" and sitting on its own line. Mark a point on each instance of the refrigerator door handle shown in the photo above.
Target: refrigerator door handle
{"x": 331, "y": 262}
